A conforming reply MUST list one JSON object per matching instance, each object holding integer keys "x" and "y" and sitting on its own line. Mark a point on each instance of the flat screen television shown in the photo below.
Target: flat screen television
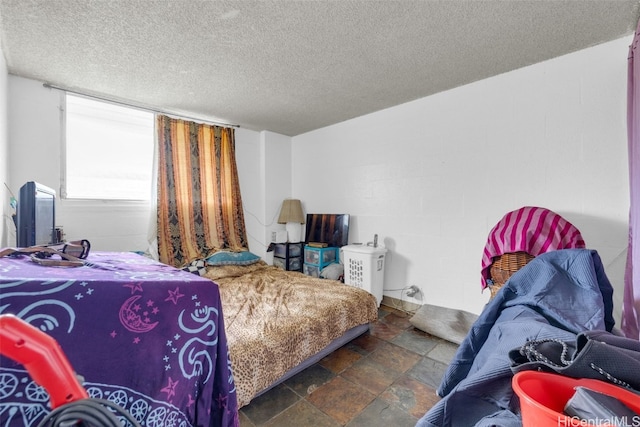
{"x": 36, "y": 222}
{"x": 332, "y": 229}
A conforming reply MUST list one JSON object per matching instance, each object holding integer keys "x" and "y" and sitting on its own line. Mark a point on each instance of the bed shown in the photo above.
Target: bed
{"x": 280, "y": 322}
{"x": 142, "y": 334}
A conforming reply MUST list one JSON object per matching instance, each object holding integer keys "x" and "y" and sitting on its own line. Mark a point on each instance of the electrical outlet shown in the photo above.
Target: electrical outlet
{"x": 274, "y": 236}
{"x": 413, "y": 290}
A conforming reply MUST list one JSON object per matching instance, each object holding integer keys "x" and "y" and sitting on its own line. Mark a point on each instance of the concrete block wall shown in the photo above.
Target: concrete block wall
{"x": 432, "y": 177}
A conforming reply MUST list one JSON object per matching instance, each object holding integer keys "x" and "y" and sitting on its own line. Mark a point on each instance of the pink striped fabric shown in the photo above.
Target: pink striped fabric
{"x": 532, "y": 230}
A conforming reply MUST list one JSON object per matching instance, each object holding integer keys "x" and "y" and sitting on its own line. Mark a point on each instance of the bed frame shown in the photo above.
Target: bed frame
{"x": 349, "y": 336}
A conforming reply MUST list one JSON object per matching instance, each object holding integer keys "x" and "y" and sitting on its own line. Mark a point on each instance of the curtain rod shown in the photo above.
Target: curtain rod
{"x": 139, "y": 107}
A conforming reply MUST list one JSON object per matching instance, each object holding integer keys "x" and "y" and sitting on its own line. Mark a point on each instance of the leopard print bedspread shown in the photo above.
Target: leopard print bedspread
{"x": 275, "y": 319}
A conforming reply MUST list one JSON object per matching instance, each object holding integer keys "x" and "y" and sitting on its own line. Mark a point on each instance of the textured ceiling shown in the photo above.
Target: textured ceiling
{"x": 291, "y": 66}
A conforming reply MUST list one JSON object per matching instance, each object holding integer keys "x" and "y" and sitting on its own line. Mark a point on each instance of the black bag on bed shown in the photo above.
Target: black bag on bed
{"x": 598, "y": 355}
{"x": 70, "y": 254}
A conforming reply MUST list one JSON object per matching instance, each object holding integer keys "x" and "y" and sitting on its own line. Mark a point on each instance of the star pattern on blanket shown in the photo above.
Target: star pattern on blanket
{"x": 174, "y": 295}
{"x": 170, "y": 388}
{"x": 135, "y": 287}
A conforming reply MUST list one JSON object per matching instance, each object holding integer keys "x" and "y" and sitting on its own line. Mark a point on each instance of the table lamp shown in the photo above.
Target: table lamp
{"x": 291, "y": 215}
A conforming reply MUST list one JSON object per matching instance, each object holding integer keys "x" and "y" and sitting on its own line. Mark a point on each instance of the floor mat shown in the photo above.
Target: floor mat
{"x": 447, "y": 323}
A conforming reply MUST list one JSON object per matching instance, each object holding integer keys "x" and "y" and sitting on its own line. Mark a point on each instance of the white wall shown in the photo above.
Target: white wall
{"x": 432, "y": 177}
{"x": 264, "y": 169}
{"x": 248, "y": 149}
{"x": 7, "y": 228}
{"x": 35, "y": 155}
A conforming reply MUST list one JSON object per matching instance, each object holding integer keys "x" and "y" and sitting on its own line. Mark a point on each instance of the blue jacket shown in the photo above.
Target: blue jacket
{"x": 557, "y": 295}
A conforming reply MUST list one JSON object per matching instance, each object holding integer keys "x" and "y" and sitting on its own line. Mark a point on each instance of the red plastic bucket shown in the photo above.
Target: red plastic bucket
{"x": 544, "y": 395}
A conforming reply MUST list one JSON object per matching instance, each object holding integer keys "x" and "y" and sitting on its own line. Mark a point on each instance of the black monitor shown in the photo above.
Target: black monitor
{"x": 36, "y": 222}
{"x": 332, "y": 229}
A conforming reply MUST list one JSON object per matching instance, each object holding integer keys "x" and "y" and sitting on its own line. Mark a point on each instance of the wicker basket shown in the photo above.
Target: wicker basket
{"x": 504, "y": 266}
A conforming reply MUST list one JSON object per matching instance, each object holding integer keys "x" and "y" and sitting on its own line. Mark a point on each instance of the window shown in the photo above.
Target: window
{"x": 108, "y": 151}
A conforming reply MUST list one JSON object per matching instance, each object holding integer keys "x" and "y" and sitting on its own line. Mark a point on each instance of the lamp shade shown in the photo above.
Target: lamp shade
{"x": 291, "y": 211}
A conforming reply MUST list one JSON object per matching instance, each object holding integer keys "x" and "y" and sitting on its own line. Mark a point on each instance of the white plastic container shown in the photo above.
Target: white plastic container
{"x": 364, "y": 268}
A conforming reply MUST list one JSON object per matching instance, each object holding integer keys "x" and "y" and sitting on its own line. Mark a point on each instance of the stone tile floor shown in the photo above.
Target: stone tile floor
{"x": 386, "y": 377}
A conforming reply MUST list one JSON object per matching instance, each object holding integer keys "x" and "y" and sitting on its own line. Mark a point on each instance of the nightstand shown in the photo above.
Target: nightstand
{"x": 315, "y": 259}
{"x": 288, "y": 256}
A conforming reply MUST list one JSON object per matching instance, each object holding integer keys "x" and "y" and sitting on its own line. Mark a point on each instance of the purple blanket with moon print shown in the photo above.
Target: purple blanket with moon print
{"x": 144, "y": 335}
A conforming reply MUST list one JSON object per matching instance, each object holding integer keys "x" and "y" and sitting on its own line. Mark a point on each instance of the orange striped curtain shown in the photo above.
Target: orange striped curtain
{"x": 199, "y": 203}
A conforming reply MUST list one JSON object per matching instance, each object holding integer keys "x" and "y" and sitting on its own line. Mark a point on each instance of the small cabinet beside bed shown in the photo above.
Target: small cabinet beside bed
{"x": 317, "y": 258}
{"x": 288, "y": 256}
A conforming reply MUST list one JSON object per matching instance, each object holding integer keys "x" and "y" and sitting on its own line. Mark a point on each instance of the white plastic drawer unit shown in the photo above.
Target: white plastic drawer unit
{"x": 294, "y": 263}
{"x": 311, "y": 270}
{"x": 280, "y": 250}
{"x": 320, "y": 256}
